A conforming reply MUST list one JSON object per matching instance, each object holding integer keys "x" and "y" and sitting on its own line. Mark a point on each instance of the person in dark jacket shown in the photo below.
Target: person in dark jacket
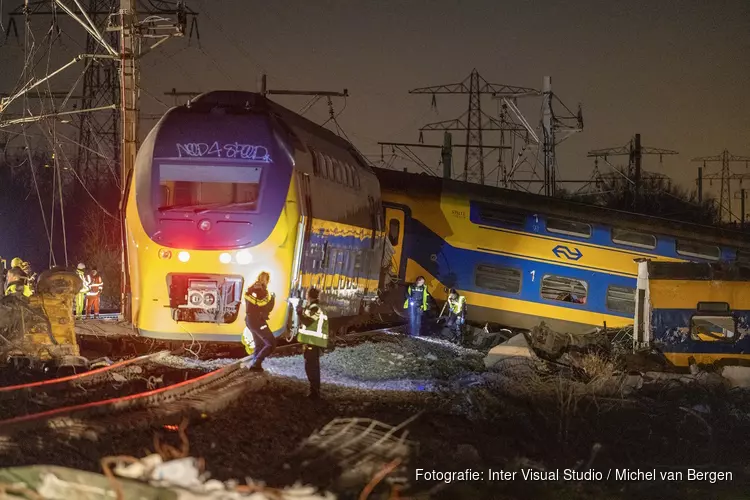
{"x": 313, "y": 335}
{"x": 259, "y": 303}
{"x": 416, "y": 304}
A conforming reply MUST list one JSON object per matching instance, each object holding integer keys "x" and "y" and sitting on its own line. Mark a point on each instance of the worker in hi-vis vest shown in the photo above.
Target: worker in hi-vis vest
{"x": 416, "y": 303}
{"x": 313, "y": 334}
{"x": 456, "y": 313}
{"x": 259, "y": 303}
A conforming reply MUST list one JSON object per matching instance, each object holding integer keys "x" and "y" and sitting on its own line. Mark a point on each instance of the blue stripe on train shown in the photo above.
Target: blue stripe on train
{"x": 671, "y": 329}
{"x": 455, "y": 267}
{"x": 536, "y": 224}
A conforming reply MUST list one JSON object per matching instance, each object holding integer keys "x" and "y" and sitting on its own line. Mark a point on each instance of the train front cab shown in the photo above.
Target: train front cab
{"x": 694, "y": 312}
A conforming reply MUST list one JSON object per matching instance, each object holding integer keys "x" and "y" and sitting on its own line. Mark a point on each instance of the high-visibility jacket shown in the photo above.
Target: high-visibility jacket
{"x": 18, "y": 286}
{"x": 84, "y": 281}
{"x": 416, "y": 295}
{"x": 258, "y": 304}
{"x": 457, "y": 306}
{"x": 95, "y": 284}
{"x": 313, "y": 326}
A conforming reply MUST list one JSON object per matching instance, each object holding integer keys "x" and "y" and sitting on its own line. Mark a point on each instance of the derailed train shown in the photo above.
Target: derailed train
{"x": 233, "y": 184}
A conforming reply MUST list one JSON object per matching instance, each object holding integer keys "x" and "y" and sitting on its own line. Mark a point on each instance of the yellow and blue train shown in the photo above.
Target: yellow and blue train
{"x": 699, "y": 311}
{"x": 521, "y": 258}
{"x": 233, "y": 184}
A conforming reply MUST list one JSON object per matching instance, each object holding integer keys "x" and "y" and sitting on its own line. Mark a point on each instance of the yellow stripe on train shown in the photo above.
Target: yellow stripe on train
{"x": 685, "y": 294}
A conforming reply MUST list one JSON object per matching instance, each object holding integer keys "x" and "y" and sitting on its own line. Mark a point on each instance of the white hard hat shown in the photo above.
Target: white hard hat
{"x": 81, "y": 265}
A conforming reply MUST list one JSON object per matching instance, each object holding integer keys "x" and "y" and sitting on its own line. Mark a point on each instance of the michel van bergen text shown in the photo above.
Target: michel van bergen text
{"x": 573, "y": 475}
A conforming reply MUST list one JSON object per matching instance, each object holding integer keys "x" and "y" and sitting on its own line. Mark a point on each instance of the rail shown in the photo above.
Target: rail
{"x": 213, "y": 389}
{"x": 88, "y": 377}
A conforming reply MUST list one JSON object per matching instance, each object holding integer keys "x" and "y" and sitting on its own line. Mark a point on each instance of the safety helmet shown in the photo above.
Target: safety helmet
{"x": 16, "y": 262}
{"x": 81, "y": 265}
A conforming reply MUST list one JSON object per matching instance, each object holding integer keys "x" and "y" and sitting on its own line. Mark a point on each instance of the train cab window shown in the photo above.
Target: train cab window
{"x": 633, "y": 238}
{"x": 498, "y": 278}
{"x": 692, "y": 249}
{"x": 394, "y": 228}
{"x": 192, "y": 185}
{"x": 621, "y": 299}
{"x": 564, "y": 289}
{"x": 493, "y": 214}
{"x": 356, "y": 178}
{"x": 713, "y": 328}
{"x": 569, "y": 227}
{"x": 349, "y": 179}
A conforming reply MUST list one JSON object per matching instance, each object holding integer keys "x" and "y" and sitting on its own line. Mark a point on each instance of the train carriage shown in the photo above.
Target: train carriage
{"x": 233, "y": 184}
{"x": 521, "y": 258}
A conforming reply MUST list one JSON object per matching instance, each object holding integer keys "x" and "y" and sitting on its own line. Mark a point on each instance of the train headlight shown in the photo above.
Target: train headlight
{"x": 225, "y": 258}
{"x": 165, "y": 254}
{"x": 244, "y": 257}
{"x": 204, "y": 225}
{"x": 183, "y": 256}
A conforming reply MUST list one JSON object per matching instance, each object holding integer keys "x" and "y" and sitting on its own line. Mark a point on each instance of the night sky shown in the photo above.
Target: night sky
{"x": 675, "y": 71}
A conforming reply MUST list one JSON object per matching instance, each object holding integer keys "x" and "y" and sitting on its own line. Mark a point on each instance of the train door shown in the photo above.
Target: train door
{"x": 394, "y": 227}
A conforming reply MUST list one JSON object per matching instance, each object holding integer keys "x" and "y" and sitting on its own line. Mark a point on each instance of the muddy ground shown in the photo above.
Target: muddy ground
{"x": 474, "y": 427}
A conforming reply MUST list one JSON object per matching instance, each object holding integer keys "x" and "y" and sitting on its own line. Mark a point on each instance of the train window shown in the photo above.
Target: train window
{"x": 743, "y": 258}
{"x": 712, "y": 328}
{"x": 621, "y": 299}
{"x": 498, "y": 278}
{"x": 356, "y": 178}
{"x": 493, "y": 214}
{"x": 329, "y": 168}
{"x": 193, "y": 185}
{"x": 349, "y": 180}
{"x": 633, "y": 238}
{"x": 394, "y": 228}
{"x": 691, "y": 249}
{"x": 339, "y": 171}
{"x": 315, "y": 162}
{"x": 564, "y": 289}
{"x": 569, "y": 227}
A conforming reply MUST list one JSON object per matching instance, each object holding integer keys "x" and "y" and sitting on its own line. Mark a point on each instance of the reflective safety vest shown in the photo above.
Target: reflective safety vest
{"x": 457, "y": 306}
{"x": 18, "y": 286}
{"x": 84, "y": 281}
{"x": 416, "y": 294}
{"x": 96, "y": 284}
{"x": 313, "y": 326}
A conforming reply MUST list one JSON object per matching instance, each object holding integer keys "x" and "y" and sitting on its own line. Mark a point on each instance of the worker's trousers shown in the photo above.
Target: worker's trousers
{"x": 415, "y": 320}
{"x": 264, "y": 341}
{"x": 92, "y": 305}
{"x": 312, "y": 368}
{"x": 80, "y": 302}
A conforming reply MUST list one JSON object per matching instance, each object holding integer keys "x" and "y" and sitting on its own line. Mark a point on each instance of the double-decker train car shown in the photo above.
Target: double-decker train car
{"x": 521, "y": 258}
{"x": 233, "y": 184}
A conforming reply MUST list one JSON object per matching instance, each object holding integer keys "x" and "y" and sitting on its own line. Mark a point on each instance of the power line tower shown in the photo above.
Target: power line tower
{"x": 106, "y": 22}
{"x": 634, "y": 151}
{"x": 726, "y": 176}
{"x": 474, "y": 121}
{"x": 98, "y": 134}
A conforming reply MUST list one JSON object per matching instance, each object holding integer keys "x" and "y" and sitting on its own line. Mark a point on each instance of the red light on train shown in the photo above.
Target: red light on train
{"x": 204, "y": 225}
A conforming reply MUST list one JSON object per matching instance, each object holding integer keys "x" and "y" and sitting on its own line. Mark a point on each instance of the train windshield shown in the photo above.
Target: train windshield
{"x": 208, "y": 187}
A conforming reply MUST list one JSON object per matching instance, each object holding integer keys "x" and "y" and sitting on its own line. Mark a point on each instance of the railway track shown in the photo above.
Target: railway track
{"x": 195, "y": 397}
{"x": 77, "y": 380}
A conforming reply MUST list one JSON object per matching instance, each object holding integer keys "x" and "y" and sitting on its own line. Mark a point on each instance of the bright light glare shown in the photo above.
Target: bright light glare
{"x": 244, "y": 257}
{"x": 183, "y": 256}
{"x": 225, "y": 258}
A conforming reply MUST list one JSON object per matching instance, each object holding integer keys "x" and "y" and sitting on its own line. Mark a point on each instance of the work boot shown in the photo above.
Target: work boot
{"x": 314, "y": 396}
{"x": 256, "y": 368}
